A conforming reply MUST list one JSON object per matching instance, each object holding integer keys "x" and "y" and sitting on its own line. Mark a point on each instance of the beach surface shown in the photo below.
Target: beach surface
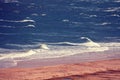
{"x": 95, "y": 70}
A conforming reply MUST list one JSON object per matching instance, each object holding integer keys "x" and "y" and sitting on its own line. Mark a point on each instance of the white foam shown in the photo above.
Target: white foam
{"x": 65, "y": 20}
{"x": 111, "y": 44}
{"x": 10, "y": 1}
{"x": 103, "y": 23}
{"x": 117, "y": 15}
{"x": 44, "y": 46}
{"x": 92, "y": 15}
{"x": 57, "y": 51}
{"x": 30, "y": 25}
{"x": 118, "y": 1}
{"x": 24, "y": 20}
{"x": 43, "y": 14}
{"x": 66, "y": 43}
{"x": 22, "y": 54}
{"x": 90, "y": 43}
{"x": 17, "y": 55}
{"x": 8, "y": 62}
{"x": 112, "y": 9}
{"x": 62, "y": 51}
{"x": 34, "y": 14}
{"x": 23, "y": 46}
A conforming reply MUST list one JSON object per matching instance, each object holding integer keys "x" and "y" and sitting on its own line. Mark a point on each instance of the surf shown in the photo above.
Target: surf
{"x": 17, "y": 55}
{"x": 46, "y": 51}
{"x": 90, "y": 45}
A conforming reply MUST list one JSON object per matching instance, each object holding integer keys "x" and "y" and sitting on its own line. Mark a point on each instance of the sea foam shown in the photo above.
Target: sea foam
{"x": 18, "y": 21}
{"x": 57, "y": 50}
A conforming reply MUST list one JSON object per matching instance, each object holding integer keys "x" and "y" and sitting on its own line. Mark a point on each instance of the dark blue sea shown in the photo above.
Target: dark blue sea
{"x": 31, "y": 29}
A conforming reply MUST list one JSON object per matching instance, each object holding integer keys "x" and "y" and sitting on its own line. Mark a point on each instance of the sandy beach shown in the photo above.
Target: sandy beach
{"x": 95, "y": 70}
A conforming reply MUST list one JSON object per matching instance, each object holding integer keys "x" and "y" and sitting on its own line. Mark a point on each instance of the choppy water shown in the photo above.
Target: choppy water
{"x": 62, "y": 27}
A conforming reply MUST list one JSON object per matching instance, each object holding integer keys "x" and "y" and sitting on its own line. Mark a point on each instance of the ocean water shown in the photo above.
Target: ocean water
{"x": 42, "y": 29}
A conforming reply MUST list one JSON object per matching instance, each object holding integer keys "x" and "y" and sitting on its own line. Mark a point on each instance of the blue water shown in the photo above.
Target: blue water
{"x": 58, "y": 24}
{"x": 59, "y": 21}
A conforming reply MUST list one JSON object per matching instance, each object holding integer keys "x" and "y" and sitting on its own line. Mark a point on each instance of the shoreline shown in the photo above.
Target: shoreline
{"x": 79, "y": 58}
{"x": 109, "y": 69}
{"x": 86, "y": 66}
{"x": 38, "y": 61}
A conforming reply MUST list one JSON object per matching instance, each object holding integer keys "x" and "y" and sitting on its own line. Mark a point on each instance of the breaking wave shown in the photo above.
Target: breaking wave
{"x": 52, "y": 50}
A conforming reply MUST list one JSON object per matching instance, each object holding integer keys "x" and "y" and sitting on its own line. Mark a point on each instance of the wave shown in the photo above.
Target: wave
{"x": 115, "y": 15}
{"x": 27, "y": 26}
{"x": 22, "y": 54}
{"x": 17, "y": 55}
{"x": 44, "y": 46}
{"x": 57, "y": 50}
{"x": 9, "y": 60}
{"x": 117, "y": 1}
{"x": 66, "y": 43}
{"x": 112, "y": 9}
{"x": 32, "y": 26}
{"x": 9, "y": 1}
{"x": 19, "y": 21}
{"x": 88, "y": 43}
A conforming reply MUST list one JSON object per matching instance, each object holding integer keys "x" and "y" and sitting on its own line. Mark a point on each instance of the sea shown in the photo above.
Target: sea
{"x": 47, "y": 29}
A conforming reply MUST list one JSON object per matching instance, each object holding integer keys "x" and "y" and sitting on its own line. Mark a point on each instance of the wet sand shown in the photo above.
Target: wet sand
{"x": 79, "y": 58}
{"x": 95, "y": 70}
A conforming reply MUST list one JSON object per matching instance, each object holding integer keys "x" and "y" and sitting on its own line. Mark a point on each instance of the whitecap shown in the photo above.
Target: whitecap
{"x": 112, "y": 9}
{"x": 66, "y": 43}
{"x": 92, "y": 15}
{"x": 117, "y": 1}
{"x": 116, "y": 15}
{"x": 65, "y": 20}
{"x": 90, "y": 43}
{"x": 43, "y": 14}
{"x": 43, "y": 46}
{"x": 34, "y": 14}
{"x": 56, "y": 51}
{"x": 24, "y": 20}
{"x": 30, "y": 25}
{"x": 103, "y": 23}
{"x": 10, "y": 1}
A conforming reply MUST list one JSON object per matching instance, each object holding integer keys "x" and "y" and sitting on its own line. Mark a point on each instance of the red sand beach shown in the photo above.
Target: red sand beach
{"x": 97, "y": 70}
